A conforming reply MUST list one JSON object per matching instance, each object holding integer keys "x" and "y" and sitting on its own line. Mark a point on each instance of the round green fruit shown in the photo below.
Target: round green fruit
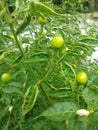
{"x": 82, "y": 77}
{"x": 42, "y": 20}
{"x": 57, "y": 41}
{"x": 6, "y": 77}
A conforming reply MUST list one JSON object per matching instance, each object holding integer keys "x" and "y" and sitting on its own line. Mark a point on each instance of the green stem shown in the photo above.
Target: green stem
{"x": 16, "y": 39}
{"x": 9, "y": 21}
{"x": 67, "y": 122}
{"x": 61, "y": 58}
{"x": 41, "y": 29}
{"x": 46, "y": 76}
{"x": 22, "y": 52}
{"x": 46, "y": 94}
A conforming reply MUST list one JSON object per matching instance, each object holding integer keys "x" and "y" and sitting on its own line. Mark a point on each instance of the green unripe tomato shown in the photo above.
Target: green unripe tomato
{"x": 57, "y": 41}
{"x": 82, "y": 77}
{"x": 6, "y": 77}
{"x": 42, "y": 20}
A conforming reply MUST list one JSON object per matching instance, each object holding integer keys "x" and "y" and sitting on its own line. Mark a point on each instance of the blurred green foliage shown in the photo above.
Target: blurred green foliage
{"x": 44, "y": 93}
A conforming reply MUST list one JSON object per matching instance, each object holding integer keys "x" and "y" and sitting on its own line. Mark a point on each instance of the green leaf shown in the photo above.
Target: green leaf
{"x": 40, "y": 8}
{"x": 11, "y": 90}
{"x": 92, "y": 121}
{"x": 3, "y": 112}
{"x": 17, "y": 112}
{"x": 40, "y": 124}
{"x": 61, "y": 111}
{"x": 23, "y": 25}
{"x": 6, "y": 124}
{"x": 90, "y": 95}
{"x": 60, "y": 93}
{"x": 78, "y": 124}
{"x": 2, "y": 13}
{"x": 29, "y": 99}
{"x": 72, "y": 69}
{"x": 81, "y": 123}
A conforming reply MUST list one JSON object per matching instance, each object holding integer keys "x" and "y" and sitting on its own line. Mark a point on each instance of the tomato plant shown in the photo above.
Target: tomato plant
{"x": 46, "y": 92}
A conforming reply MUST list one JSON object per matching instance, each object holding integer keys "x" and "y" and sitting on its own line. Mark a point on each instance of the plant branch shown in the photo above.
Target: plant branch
{"x": 10, "y": 23}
